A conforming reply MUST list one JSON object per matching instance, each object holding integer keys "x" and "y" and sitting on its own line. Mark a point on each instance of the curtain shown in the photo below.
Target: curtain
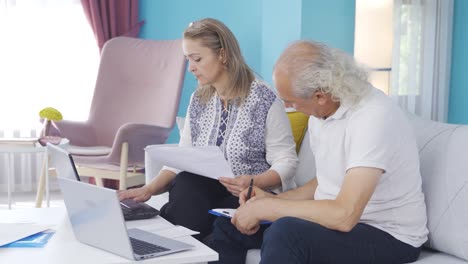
{"x": 421, "y": 56}
{"x": 48, "y": 57}
{"x": 112, "y": 18}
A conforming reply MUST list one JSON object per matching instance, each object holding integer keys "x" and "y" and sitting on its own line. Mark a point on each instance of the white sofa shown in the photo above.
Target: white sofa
{"x": 443, "y": 152}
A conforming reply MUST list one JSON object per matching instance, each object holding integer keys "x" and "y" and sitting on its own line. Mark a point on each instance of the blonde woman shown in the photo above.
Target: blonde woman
{"x": 232, "y": 110}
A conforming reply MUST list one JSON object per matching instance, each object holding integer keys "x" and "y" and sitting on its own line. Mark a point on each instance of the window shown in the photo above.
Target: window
{"x": 415, "y": 72}
{"x": 49, "y": 57}
{"x": 373, "y": 39}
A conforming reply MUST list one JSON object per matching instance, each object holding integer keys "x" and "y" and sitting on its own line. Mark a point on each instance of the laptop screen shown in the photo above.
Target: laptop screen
{"x": 63, "y": 162}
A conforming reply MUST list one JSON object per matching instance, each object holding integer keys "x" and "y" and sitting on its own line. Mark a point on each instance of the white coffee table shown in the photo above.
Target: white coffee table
{"x": 64, "y": 248}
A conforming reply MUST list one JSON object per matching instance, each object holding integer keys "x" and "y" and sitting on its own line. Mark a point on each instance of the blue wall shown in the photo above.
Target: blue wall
{"x": 168, "y": 19}
{"x": 330, "y": 22}
{"x": 458, "y": 100}
{"x": 281, "y": 24}
{"x": 262, "y": 27}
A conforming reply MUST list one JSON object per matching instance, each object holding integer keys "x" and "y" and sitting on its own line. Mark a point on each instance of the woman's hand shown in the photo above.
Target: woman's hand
{"x": 141, "y": 194}
{"x": 236, "y": 185}
{"x": 256, "y": 194}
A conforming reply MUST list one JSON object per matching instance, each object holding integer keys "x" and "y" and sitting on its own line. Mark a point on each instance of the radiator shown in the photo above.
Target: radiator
{"x": 24, "y": 168}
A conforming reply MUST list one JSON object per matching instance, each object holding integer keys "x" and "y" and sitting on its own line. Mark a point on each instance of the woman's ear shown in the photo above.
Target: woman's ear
{"x": 222, "y": 56}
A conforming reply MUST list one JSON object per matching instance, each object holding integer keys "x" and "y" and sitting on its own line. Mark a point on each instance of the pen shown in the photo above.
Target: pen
{"x": 250, "y": 189}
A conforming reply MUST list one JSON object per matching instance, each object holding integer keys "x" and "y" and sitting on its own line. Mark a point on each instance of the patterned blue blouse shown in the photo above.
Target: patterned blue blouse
{"x": 239, "y": 131}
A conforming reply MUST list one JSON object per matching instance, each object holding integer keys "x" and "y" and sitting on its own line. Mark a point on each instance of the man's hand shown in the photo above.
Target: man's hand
{"x": 236, "y": 185}
{"x": 245, "y": 219}
{"x": 141, "y": 194}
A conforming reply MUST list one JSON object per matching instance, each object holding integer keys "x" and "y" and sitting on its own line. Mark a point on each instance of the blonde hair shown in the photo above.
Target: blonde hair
{"x": 313, "y": 66}
{"x": 216, "y": 36}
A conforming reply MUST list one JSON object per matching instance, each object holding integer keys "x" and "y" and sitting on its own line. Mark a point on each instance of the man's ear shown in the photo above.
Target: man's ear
{"x": 322, "y": 98}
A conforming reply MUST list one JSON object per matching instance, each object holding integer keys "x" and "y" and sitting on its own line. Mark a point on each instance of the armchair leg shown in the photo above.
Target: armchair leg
{"x": 99, "y": 181}
{"x": 41, "y": 185}
{"x": 123, "y": 166}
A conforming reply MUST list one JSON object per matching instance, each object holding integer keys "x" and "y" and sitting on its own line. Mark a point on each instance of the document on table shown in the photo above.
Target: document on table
{"x": 12, "y": 232}
{"x": 168, "y": 230}
{"x": 206, "y": 161}
{"x": 174, "y": 232}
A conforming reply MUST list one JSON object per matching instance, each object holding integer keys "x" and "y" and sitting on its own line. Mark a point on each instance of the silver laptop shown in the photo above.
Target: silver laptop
{"x": 63, "y": 163}
{"x": 97, "y": 220}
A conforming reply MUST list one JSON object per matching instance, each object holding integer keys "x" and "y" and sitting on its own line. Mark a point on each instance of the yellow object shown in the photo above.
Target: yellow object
{"x": 51, "y": 113}
{"x": 298, "y": 122}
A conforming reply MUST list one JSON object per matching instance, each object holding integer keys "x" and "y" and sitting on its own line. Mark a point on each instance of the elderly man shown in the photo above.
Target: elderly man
{"x": 365, "y": 204}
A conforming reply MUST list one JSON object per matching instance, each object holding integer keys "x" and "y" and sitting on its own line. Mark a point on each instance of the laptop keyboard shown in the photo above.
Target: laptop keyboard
{"x": 143, "y": 248}
{"x": 138, "y": 213}
{"x": 126, "y": 211}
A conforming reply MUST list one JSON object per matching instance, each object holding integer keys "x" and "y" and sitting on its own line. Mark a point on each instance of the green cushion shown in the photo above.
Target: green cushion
{"x": 298, "y": 122}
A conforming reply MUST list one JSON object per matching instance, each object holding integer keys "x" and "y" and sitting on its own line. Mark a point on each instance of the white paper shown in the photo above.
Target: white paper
{"x": 175, "y": 232}
{"x": 206, "y": 161}
{"x": 168, "y": 230}
{"x": 11, "y": 232}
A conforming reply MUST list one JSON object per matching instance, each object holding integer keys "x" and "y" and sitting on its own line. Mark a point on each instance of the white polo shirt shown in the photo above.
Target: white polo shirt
{"x": 375, "y": 133}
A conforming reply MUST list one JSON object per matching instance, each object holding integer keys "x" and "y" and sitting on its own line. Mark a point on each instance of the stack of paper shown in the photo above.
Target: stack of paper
{"x": 206, "y": 161}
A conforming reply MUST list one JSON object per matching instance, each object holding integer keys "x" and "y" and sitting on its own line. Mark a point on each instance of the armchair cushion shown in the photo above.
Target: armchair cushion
{"x": 89, "y": 151}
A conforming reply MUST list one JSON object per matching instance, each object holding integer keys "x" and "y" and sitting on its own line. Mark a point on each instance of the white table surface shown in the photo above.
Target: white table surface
{"x": 64, "y": 248}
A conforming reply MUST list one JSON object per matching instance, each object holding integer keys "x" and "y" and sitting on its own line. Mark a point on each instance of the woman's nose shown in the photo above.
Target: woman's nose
{"x": 191, "y": 67}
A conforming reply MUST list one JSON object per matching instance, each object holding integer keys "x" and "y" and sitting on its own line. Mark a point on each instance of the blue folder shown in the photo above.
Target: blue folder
{"x": 227, "y": 214}
{"x": 38, "y": 240}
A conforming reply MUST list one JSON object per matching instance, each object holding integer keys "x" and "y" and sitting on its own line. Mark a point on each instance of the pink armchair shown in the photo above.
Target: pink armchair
{"x": 135, "y": 104}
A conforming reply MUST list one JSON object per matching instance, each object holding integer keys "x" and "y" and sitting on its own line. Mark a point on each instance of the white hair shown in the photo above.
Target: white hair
{"x": 313, "y": 66}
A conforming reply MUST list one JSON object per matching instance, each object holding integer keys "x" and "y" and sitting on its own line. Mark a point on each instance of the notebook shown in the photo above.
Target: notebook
{"x": 96, "y": 219}
{"x": 63, "y": 162}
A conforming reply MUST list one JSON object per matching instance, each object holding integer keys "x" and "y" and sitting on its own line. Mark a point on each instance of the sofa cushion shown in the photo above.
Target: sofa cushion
{"x": 444, "y": 165}
{"x": 427, "y": 257}
{"x": 433, "y": 257}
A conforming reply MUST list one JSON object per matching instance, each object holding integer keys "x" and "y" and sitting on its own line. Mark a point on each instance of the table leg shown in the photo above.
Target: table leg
{"x": 46, "y": 162}
{"x": 42, "y": 181}
{"x": 10, "y": 172}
